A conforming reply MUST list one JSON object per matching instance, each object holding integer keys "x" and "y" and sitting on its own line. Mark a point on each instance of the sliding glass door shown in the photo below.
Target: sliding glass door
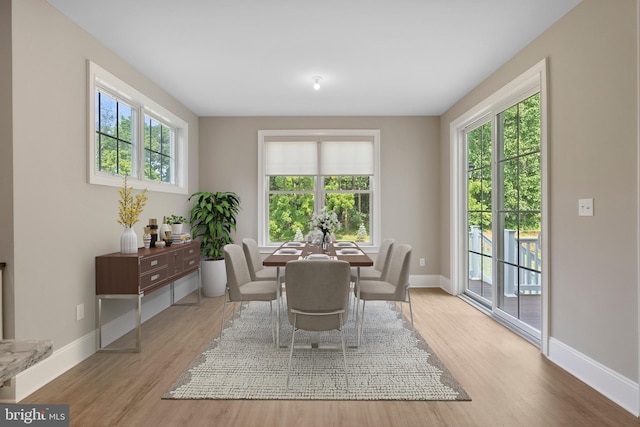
{"x": 503, "y": 212}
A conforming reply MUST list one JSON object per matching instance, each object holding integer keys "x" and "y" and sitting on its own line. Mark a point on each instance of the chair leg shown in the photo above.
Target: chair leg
{"x": 344, "y": 353}
{"x": 224, "y": 308}
{"x": 293, "y": 339}
{"x": 273, "y": 332}
{"x": 410, "y": 307}
{"x": 364, "y": 303}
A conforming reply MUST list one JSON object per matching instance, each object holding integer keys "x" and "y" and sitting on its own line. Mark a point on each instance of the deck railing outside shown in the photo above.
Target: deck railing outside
{"x": 524, "y": 252}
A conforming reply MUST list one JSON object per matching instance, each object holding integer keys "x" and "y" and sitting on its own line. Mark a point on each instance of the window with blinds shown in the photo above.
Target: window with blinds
{"x": 302, "y": 172}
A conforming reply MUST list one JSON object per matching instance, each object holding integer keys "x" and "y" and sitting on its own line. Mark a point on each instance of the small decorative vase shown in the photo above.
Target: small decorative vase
{"x": 146, "y": 239}
{"x": 128, "y": 241}
{"x": 325, "y": 242}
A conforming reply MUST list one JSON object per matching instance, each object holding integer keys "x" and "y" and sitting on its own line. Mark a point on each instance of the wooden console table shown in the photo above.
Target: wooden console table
{"x": 131, "y": 276}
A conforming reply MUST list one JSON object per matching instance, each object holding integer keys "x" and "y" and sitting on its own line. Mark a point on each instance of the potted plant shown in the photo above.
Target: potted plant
{"x": 176, "y": 222}
{"x": 213, "y": 218}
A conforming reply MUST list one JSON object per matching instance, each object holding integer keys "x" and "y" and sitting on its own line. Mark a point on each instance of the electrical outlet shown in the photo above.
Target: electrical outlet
{"x": 422, "y": 262}
{"x": 79, "y": 311}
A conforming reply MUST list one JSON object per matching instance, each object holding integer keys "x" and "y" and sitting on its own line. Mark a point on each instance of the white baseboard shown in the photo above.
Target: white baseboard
{"x": 60, "y": 361}
{"x": 612, "y": 385}
{"x": 65, "y": 358}
{"x": 424, "y": 281}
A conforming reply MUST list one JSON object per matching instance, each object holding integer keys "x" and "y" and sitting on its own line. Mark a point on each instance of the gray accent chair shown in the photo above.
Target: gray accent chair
{"x": 380, "y": 264}
{"x": 318, "y": 299}
{"x": 394, "y": 287}
{"x": 254, "y": 262}
{"x": 240, "y": 287}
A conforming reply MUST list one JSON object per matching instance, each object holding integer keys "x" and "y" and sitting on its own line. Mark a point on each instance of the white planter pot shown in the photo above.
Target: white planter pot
{"x": 214, "y": 278}
{"x": 176, "y": 228}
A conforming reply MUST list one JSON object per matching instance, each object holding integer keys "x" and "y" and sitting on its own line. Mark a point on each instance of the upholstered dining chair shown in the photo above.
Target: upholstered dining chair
{"x": 394, "y": 287}
{"x": 318, "y": 299}
{"x": 240, "y": 287}
{"x": 256, "y": 269}
{"x": 380, "y": 264}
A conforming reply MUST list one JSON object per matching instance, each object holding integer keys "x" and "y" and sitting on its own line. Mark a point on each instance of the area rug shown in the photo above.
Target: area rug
{"x": 392, "y": 363}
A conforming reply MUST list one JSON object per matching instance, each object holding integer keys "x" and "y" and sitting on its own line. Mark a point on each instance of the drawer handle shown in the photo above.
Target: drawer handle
{"x": 155, "y": 277}
{"x": 154, "y": 262}
{"x": 190, "y": 251}
{"x": 191, "y": 262}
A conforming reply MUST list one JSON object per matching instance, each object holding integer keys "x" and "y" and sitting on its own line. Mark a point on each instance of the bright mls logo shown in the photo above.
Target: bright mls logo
{"x": 34, "y": 415}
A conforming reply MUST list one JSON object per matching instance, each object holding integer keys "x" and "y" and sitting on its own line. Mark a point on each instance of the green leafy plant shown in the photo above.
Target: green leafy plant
{"x": 213, "y": 218}
{"x": 176, "y": 219}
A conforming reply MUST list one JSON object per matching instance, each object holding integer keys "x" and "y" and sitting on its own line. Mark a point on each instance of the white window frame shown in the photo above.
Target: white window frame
{"x": 263, "y": 184}
{"x": 99, "y": 78}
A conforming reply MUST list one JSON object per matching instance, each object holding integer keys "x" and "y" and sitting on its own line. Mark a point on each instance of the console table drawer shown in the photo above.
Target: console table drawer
{"x": 192, "y": 262}
{"x": 152, "y": 278}
{"x": 152, "y": 263}
{"x": 192, "y": 251}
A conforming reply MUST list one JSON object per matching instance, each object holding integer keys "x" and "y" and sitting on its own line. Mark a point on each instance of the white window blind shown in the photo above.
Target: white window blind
{"x": 346, "y": 158}
{"x": 319, "y": 157}
{"x": 291, "y": 158}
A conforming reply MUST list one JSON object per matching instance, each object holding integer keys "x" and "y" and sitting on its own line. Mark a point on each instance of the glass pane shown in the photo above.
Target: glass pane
{"x": 124, "y": 158}
{"x": 166, "y": 141}
{"x": 530, "y": 125}
{"x": 474, "y": 149}
{"x": 486, "y": 144}
{"x": 508, "y": 296}
{"x": 508, "y": 229}
{"x": 107, "y": 153}
{"x": 529, "y": 183}
{"x": 487, "y": 243}
{"x": 354, "y": 213}
{"x": 346, "y": 182}
{"x": 474, "y": 194}
{"x": 508, "y": 176}
{"x": 289, "y": 213}
{"x": 291, "y": 183}
{"x": 530, "y": 252}
{"x": 509, "y": 136}
{"x": 107, "y": 112}
{"x": 486, "y": 189}
{"x": 124, "y": 123}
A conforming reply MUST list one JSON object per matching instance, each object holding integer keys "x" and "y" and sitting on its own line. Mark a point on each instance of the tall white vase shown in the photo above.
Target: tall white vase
{"x": 128, "y": 241}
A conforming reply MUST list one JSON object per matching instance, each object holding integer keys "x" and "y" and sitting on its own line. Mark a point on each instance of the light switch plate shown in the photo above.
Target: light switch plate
{"x": 585, "y": 207}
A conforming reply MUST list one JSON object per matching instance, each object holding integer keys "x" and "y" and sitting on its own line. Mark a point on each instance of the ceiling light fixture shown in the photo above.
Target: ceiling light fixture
{"x": 316, "y": 82}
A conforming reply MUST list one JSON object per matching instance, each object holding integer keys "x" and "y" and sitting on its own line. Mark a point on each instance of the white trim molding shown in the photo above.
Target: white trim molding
{"x": 611, "y": 384}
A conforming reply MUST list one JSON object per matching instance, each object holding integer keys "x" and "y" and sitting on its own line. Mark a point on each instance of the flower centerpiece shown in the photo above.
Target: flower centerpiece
{"x": 128, "y": 213}
{"x": 325, "y": 222}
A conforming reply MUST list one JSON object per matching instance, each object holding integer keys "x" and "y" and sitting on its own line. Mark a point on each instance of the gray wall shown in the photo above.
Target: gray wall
{"x": 60, "y": 221}
{"x": 592, "y": 151}
{"x": 409, "y": 172}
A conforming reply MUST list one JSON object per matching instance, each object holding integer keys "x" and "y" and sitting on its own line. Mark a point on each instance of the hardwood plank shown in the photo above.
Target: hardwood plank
{"x": 510, "y": 383}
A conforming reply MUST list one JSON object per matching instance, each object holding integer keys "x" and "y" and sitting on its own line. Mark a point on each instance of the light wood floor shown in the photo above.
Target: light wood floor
{"x": 510, "y": 383}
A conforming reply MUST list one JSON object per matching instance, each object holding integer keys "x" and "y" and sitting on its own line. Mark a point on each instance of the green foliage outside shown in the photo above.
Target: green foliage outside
{"x": 291, "y": 205}
{"x": 518, "y": 169}
{"x": 114, "y": 141}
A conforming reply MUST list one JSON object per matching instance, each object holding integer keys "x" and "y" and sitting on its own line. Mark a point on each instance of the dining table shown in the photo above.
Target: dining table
{"x": 293, "y": 250}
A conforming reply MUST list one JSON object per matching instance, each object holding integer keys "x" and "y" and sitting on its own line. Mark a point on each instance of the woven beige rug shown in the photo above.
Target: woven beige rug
{"x": 392, "y": 363}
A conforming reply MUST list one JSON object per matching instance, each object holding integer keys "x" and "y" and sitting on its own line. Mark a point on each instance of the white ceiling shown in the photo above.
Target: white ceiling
{"x": 258, "y": 57}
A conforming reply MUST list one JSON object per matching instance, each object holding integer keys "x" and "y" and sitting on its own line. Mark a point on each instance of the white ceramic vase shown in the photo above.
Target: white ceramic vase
{"x": 128, "y": 241}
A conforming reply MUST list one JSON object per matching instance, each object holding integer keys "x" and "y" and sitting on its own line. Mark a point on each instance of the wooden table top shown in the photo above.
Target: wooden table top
{"x": 279, "y": 259}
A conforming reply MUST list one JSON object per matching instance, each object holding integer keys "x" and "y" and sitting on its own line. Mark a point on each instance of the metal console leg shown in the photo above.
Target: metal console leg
{"x": 138, "y": 300}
